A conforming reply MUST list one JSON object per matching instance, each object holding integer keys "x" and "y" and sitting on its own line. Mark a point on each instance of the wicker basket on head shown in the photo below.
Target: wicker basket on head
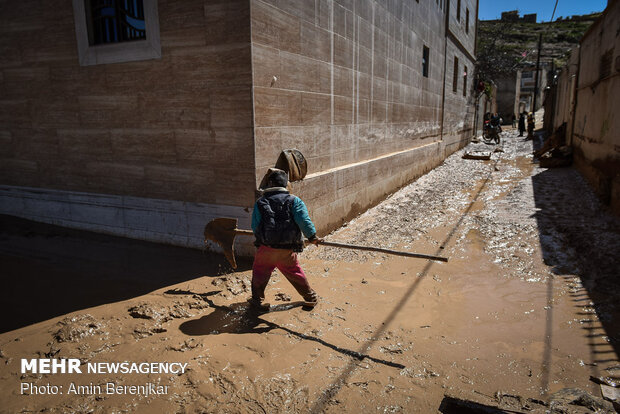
{"x": 294, "y": 163}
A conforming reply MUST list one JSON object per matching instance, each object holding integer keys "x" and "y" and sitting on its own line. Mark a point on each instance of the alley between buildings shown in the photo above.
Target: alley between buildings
{"x": 526, "y": 306}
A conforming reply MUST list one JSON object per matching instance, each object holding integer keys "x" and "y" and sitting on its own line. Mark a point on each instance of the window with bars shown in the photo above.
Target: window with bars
{"x": 115, "y": 31}
{"x": 114, "y": 21}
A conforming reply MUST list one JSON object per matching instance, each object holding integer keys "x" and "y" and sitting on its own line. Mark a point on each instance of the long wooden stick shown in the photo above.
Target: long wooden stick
{"x": 381, "y": 250}
{"x": 367, "y": 248}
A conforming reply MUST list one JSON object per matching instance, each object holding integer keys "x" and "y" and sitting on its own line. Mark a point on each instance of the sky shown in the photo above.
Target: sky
{"x": 492, "y": 9}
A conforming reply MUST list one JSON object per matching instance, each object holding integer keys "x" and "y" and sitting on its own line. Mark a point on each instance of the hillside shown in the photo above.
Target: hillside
{"x": 505, "y": 45}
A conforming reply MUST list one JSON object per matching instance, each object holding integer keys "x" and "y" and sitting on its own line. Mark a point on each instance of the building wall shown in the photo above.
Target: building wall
{"x": 459, "y": 108}
{"x": 152, "y": 137}
{"x": 595, "y": 137}
{"x": 154, "y": 149}
{"x": 565, "y": 90}
{"x": 342, "y": 82}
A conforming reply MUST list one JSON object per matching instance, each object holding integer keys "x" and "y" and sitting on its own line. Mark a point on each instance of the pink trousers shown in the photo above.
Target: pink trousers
{"x": 266, "y": 260}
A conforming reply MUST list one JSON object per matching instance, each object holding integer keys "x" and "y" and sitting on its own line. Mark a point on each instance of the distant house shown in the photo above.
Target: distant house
{"x": 513, "y": 17}
{"x": 148, "y": 118}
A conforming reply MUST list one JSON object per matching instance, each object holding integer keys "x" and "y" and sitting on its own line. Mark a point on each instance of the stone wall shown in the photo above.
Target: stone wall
{"x": 342, "y": 82}
{"x": 170, "y": 128}
{"x": 126, "y": 136}
{"x": 595, "y": 137}
{"x": 153, "y": 149}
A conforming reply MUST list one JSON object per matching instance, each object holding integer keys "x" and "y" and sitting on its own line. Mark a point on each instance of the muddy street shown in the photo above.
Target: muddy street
{"x": 526, "y": 306}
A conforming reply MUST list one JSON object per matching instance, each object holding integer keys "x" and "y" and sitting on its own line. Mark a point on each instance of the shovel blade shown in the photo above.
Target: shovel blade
{"x": 222, "y": 231}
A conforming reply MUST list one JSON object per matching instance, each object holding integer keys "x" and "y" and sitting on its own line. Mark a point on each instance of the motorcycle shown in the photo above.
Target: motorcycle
{"x": 491, "y": 131}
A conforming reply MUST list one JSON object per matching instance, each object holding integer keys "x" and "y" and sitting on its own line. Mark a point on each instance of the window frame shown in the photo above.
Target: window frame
{"x": 455, "y": 75}
{"x": 467, "y": 20}
{"x": 464, "y": 80}
{"x": 136, "y": 50}
{"x": 426, "y": 57}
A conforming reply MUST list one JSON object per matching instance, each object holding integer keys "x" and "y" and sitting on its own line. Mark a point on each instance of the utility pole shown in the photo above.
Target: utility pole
{"x": 537, "y": 70}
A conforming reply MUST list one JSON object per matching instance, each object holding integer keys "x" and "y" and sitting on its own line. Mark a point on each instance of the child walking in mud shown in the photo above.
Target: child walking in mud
{"x": 278, "y": 221}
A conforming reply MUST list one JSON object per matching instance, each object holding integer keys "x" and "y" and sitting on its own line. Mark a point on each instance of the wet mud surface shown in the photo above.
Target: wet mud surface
{"x": 526, "y": 306}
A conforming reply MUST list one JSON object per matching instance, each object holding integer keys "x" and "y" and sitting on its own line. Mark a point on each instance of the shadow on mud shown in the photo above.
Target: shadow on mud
{"x": 48, "y": 271}
{"x": 579, "y": 238}
{"x": 240, "y": 318}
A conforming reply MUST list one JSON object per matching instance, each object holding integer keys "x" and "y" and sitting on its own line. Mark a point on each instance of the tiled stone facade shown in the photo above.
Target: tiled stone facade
{"x": 237, "y": 82}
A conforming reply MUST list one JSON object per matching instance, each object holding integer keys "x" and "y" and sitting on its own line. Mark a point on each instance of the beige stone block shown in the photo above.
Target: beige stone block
{"x": 57, "y": 45}
{"x": 343, "y": 110}
{"x": 341, "y": 137}
{"x": 299, "y": 73}
{"x": 276, "y": 107}
{"x": 194, "y": 146}
{"x": 145, "y": 145}
{"x": 394, "y": 71}
{"x": 132, "y": 77}
{"x": 268, "y": 145}
{"x": 323, "y": 141}
{"x": 117, "y": 170}
{"x": 227, "y": 22}
{"x": 364, "y": 60}
{"x": 35, "y": 143}
{"x": 381, "y": 17}
{"x": 379, "y": 89}
{"x": 364, "y": 10}
{"x": 315, "y": 109}
{"x": 379, "y": 68}
{"x": 170, "y": 110}
{"x": 115, "y": 178}
{"x": 26, "y": 78}
{"x": 362, "y": 86}
{"x": 266, "y": 65}
{"x": 340, "y": 20}
{"x": 234, "y": 189}
{"x": 183, "y": 37}
{"x": 343, "y": 51}
{"x": 55, "y": 113}
{"x": 85, "y": 144}
{"x": 19, "y": 172}
{"x": 70, "y": 80}
{"x": 272, "y": 27}
{"x": 362, "y": 111}
{"x": 221, "y": 65}
{"x": 347, "y": 4}
{"x": 304, "y": 10}
{"x": 299, "y": 138}
{"x": 396, "y": 92}
{"x": 343, "y": 81}
{"x": 323, "y": 17}
{"x": 325, "y": 78}
{"x": 108, "y": 111}
{"x": 315, "y": 42}
{"x": 174, "y": 15}
{"x": 176, "y": 182}
{"x": 231, "y": 107}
